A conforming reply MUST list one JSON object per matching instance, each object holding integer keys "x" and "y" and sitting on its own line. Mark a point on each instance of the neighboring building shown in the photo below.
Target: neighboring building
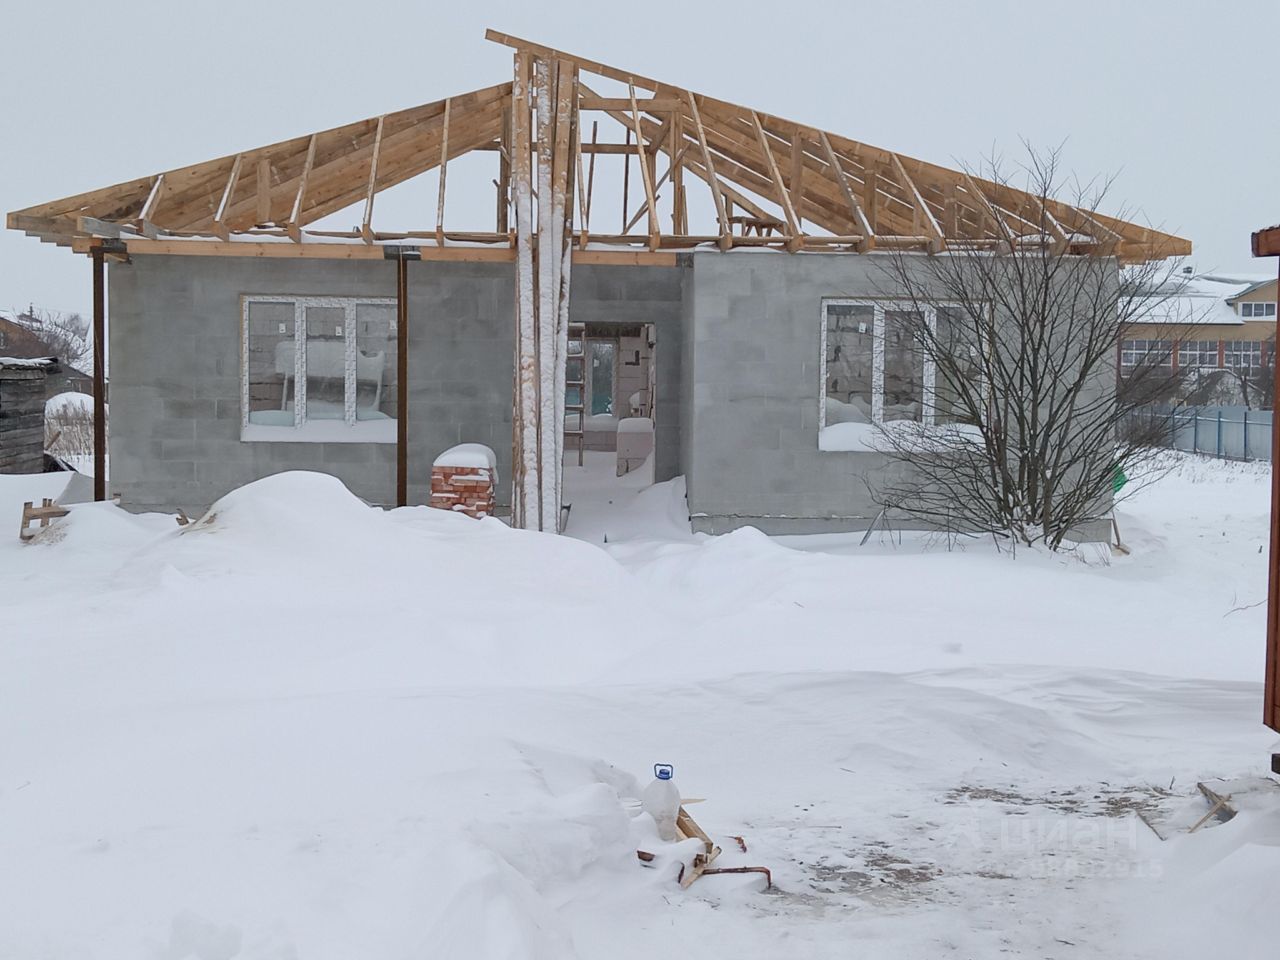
{"x": 20, "y": 337}
{"x": 251, "y": 333}
{"x": 22, "y": 400}
{"x": 1218, "y": 330}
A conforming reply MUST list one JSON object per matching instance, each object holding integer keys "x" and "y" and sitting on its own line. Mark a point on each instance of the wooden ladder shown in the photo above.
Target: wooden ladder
{"x": 577, "y": 333}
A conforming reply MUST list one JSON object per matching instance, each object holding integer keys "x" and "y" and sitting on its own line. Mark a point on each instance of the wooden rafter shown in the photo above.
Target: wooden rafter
{"x": 830, "y": 191}
{"x": 650, "y": 198}
{"x": 366, "y": 230}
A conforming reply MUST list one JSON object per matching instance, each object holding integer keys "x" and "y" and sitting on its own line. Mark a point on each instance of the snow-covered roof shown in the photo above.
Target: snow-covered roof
{"x": 1205, "y": 298}
{"x": 19, "y": 363}
{"x": 1252, "y": 287}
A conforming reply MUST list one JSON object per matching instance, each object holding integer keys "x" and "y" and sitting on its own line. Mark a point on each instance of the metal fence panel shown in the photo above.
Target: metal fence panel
{"x": 1232, "y": 433}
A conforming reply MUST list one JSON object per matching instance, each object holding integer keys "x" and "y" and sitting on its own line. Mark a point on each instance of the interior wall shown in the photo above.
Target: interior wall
{"x": 600, "y": 294}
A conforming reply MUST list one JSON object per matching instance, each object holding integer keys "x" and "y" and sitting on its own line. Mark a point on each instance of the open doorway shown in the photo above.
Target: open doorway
{"x": 610, "y": 376}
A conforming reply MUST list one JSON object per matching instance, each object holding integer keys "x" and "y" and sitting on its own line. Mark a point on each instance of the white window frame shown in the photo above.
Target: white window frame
{"x": 928, "y": 392}
{"x": 1192, "y": 354}
{"x": 349, "y": 429}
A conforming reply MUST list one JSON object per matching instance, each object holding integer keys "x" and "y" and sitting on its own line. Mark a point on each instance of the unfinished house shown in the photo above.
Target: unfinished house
{"x": 653, "y": 254}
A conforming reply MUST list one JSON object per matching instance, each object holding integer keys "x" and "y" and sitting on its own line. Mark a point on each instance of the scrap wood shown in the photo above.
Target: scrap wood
{"x": 1219, "y": 807}
{"x": 48, "y": 510}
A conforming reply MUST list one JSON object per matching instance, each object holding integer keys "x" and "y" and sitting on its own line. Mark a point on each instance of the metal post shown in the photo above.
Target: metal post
{"x": 1195, "y": 429}
{"x": 1219, "y": 433}
{"x": 99, "y": 376}
{"x": 1271, "y": 694}
{"x": 1246, "y": 434}
{"x": 402, "y": 381}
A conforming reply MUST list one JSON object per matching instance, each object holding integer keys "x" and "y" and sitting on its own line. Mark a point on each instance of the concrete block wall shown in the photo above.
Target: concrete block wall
{"x": 627, "y": 295}
{"x": 175, "y": 329}
{"x": 752, "y": 330}
{"x": 752, "y": 355}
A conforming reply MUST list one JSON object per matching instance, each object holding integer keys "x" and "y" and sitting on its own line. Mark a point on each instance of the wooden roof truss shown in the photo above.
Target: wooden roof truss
{"x": 772, "y": 182}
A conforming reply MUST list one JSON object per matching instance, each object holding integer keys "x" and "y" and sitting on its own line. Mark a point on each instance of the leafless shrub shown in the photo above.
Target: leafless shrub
{"x": 1037, "y": 425}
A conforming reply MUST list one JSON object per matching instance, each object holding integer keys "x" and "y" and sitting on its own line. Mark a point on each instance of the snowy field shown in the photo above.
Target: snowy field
{"x": 305, "y": 729}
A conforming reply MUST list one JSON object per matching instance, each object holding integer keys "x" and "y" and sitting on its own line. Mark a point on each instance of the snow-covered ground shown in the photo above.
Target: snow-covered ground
{"x": 304, "y": 728}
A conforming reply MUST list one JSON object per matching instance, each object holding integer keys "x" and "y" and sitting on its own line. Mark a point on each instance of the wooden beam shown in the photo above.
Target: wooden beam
{"x": 793, "y": 224}
{"x": 293, "y": 225}
{"x": 923, "y": 214}
{"x": 366, "y": 228}
{"x": 219, "y": 218}
{"x": 305, "y": 251}
{"x": 841, "y": 178}
{"x": 621, "y": 258}
{"x": 264, "y": 190}
{"x": 444, "y": 172}
{"x": 988, "y": 210}
{"x": 797, "y": 172}
{"x": 587, "y": 66}
{"x": 504, "y": 173}
{"x": 726, "y": 237}
{"x": 647, "y": 104}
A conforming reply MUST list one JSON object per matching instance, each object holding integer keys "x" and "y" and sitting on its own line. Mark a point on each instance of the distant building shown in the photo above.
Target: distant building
{"x": 20, "y": 338}
{"x": 1218, "y": 329}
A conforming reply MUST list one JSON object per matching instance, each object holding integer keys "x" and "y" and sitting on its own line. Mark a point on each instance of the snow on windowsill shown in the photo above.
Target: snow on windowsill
{"x": 894, "y": 435}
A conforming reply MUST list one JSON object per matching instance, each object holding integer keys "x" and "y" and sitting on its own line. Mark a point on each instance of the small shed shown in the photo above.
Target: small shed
{"x": 22, "y": 399}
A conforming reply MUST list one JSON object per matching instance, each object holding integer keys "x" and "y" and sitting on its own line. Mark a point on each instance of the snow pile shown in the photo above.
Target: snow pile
{"x": 304, "y": 727}
{"x": 69, "y": 403}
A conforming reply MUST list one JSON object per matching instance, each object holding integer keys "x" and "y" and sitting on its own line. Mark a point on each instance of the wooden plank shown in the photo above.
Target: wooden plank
{"x": 294, "y": 225}
{"x": 841, "y": 178}
{"x": 504, "y": 174}
{"x": 625, "y": 258}
{"x": 923, "y": 213}
{"x": 524, "y": 503}
{"x": 264, "y": 190}
{"x": 647, "y": 104}
{"x": 306, "y": 251}
{"x": 444, "y": 171}
{"x": 726, "y": 238}
{"x": 219, "y": 218}
{"x": 793, "y": 224}
{"x": 366, "y": 228}
{"x": 797, "y": 172}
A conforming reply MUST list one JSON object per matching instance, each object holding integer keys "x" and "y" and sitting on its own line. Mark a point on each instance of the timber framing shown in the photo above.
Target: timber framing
{"x": 772, "y": 182}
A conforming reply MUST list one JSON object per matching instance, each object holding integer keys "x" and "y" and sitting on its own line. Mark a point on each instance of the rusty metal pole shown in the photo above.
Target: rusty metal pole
{"x": 1266, "y": 243}
{"x": 1272, "y": 692}
{"x": 99, "y": 377}
{"x": 402, "y": 381}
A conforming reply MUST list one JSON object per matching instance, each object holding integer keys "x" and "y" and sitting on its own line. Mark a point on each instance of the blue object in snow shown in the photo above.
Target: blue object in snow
{"x": 663, "y": 771}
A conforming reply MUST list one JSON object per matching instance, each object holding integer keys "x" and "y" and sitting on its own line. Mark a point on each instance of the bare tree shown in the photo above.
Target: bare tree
{"x": 55, "y": 334}
{"x": 1002, "y": 368}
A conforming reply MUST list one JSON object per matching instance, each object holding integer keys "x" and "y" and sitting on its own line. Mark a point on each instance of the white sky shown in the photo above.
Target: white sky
{"x": 1172, "y": 97}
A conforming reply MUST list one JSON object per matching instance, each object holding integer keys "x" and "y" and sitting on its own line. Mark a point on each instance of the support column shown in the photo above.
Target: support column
{"x": 402, "y": 380}
{"x": 99, "y": 376}
{"x": 542, "y": 282}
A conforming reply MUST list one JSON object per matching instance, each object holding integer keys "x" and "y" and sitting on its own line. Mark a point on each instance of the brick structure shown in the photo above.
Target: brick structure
{"x": 466, "y": 490}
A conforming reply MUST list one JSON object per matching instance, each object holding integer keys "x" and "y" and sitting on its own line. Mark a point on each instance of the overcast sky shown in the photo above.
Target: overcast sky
{"x": 1174, "y": 98}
